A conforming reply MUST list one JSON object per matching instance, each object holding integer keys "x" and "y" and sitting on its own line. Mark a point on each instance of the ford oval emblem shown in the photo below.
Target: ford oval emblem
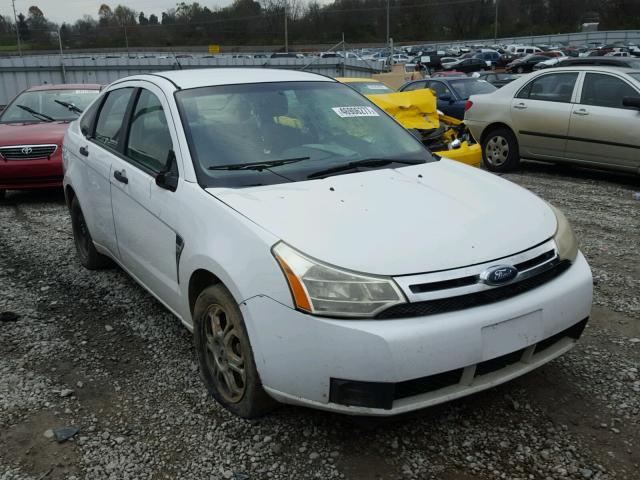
{"x": 499, "y": 274}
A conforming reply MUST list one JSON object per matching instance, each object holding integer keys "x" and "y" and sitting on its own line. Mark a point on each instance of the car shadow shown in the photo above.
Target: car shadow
{"x": 40, "y": 195}
{"x": 577, "y": 172}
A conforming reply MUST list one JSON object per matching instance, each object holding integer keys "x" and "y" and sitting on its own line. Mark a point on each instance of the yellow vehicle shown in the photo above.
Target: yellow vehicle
{"x": 416, "y": 111}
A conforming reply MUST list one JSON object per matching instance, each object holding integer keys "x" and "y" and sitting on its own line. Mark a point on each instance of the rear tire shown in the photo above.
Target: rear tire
{"x": 224, "y": 354}
{"x": 500, "y": 151}
{"x": 89, "y": 257}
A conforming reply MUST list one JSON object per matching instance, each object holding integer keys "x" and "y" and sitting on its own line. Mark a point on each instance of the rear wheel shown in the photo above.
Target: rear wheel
{"x": 225, "y": 356}
{"x": 87, "y": 254}
{"x": 520, "y": 70}
{"x": 500, "y": 150}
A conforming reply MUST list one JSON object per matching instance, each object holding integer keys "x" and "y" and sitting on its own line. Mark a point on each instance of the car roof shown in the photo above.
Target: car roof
{"x": 595, "y": 68}
{"x": 356, "y": 80}
{"x": 66, "y": 86}
{"x": 206, "y": 77}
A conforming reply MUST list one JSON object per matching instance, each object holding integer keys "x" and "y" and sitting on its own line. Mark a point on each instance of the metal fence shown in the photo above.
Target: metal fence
{"x": 578, "y": 38}
{"x": 18, "y": 73}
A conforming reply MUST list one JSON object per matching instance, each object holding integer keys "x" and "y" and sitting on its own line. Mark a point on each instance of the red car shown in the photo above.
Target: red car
{"x": 32, "y": 128}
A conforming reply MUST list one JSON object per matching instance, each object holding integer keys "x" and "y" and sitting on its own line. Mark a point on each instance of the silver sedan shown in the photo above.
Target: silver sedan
{"x": 589, "y": 116}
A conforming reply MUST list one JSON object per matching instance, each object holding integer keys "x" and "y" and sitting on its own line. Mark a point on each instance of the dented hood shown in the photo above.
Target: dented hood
{"x": 413, "y": 109}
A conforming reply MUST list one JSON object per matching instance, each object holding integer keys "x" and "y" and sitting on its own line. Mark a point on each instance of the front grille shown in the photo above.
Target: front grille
{"x": 27, "y": 152}
{"x": 461, "y": 302}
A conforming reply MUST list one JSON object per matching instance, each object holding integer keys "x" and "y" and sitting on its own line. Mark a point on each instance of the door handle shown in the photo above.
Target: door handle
{"x": 520, "y": 106}
{"x": 84, "y": 151}
{"x": 582, "y": 112}
{"x": 121, "y": 176}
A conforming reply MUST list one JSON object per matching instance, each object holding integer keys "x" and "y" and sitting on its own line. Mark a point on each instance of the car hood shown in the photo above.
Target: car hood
{"x": 415, "y": 219}
{"x": 412, "y": 109}
{"x": 32, "y": 133}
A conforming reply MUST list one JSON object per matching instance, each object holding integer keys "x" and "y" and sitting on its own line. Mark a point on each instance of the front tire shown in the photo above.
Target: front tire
{"x": 500, "y": 151}
{"x": 224, "y": 354}
{"x": 89, "y": 257}
{"x": 520, "y": 70}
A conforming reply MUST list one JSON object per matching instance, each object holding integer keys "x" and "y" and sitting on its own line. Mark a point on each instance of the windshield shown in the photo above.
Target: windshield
{"x": 44, "y": 102}
{"x": 370, "y": 88}
{"x": 298, "y": 128}
{"x": 467, "y": 87}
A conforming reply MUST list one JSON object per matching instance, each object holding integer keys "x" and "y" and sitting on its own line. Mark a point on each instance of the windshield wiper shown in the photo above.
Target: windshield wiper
{"x": 367, "y": 162}
{"x": 36, "y": 114}
{"x": 258, "y": 165}
{"x": 70, "y": 106}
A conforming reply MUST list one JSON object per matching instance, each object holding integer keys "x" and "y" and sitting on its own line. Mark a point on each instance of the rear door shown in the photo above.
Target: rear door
{"x": 540, "y": 114}
{"x": 602, "y": 131}
{"x": 142, "y": 211}
{"x": 94, "y": 149}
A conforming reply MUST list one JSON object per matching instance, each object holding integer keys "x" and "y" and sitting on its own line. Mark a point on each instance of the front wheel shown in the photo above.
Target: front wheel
{"x": 225, "y": 356}
{"x": 500, "y": 150}
{"x": 89, "y": 257}
{"x": 520, "y": 70}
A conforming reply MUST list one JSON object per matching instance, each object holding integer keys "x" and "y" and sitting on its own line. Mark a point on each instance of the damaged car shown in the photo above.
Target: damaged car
{"x": 417, "y": 112}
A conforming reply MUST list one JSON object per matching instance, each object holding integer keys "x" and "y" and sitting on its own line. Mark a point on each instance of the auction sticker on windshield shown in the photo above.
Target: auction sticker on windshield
{"x": 346, "y": 112}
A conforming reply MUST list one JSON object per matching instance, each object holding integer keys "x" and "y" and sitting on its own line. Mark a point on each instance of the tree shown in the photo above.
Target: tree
{"x": 23, "y": 27}
{"x": 142, "y": 20}
{"x": 153, "y": 19}
{"x": 105, "y": 15}
{"x": 124, "y": 15}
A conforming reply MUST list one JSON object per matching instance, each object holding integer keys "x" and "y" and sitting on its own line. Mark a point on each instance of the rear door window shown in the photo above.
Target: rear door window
{"x": 440, "y": 89}
{"x": 111, "y": 120}
{"x": 556, "y": 87}
{"x": 415, "y": 86}
{"x": 605, "y": 91}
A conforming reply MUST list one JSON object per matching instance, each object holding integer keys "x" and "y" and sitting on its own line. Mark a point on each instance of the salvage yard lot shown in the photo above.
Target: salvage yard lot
{"x": 95, "y": 351}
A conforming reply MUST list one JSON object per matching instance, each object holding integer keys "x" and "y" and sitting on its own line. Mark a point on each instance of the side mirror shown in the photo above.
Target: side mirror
{"x": 168, "y": 178}
{"x": 633, "y": 102}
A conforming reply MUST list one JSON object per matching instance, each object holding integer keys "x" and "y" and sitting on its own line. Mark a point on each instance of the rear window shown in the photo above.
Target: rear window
{"x": 467, "y": 87}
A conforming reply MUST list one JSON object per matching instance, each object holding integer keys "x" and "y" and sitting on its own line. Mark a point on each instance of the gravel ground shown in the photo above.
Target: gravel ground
{"x": 93, "y": 351}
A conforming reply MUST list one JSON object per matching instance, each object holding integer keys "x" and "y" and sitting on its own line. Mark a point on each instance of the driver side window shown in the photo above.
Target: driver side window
{"x": 149, "y": 136}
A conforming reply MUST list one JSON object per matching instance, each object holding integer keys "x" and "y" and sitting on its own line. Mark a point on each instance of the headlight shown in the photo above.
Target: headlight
{"x": 566, "y": 241}
{"x": 325, "y": 290}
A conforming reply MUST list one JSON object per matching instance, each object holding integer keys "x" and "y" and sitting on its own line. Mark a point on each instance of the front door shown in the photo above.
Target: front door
{"x": 540, "y": 115}
{"x": 147, "y": 242}
{"x": 602, "y": 131}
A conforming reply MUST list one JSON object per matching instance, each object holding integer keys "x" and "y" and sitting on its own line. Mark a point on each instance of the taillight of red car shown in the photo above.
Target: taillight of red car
{"x": 468, "y": 105}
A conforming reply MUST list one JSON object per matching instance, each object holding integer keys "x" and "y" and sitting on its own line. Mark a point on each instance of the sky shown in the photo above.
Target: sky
{"x": 70, "y": 10}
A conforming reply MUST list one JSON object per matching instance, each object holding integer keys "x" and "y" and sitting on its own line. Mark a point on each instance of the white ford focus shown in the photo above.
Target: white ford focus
{"x": 320, "y": 254}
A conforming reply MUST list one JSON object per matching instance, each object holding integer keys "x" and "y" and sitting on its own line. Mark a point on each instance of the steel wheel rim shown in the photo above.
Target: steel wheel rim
{"x": 224, "y": 354}
{"x": 497, "y": 150}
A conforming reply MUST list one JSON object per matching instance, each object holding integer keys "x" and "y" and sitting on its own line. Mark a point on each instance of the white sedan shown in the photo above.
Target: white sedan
{"x": 319, "y": 253}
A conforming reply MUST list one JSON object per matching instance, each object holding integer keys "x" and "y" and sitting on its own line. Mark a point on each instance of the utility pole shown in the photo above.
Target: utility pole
{"x": 387, "y": 43}
{"x": 15, "y": 18}
{"x": 286, "y": 32}
{"x": 495, "y": 24}
{"x": 64, "y": 72}
{"x": 126, "y": 38}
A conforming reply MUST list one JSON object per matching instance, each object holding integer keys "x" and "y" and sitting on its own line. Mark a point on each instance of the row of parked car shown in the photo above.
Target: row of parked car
{"x": 280, "y": 216}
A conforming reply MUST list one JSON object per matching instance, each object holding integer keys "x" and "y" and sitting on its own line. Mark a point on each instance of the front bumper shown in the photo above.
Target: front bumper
{"x": 297, "y": 355}
{"x": 27, "y": 174}
{"x": 467, "y": 154}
